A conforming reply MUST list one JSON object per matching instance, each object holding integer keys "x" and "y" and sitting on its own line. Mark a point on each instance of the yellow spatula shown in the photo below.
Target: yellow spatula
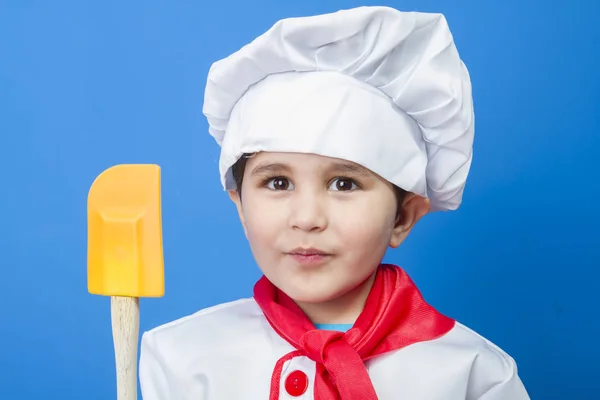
{"x": 125, "y": 256}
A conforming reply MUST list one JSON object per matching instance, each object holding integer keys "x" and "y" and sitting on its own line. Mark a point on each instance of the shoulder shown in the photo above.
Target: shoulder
{"x": 224, "y": 323}
{"x": 223, "y": 314}
{"x": 462, "y": 335}
{"x": 493, "y": 372}
{"x": 178, "y": 358}
{"x": 461, "y": 363}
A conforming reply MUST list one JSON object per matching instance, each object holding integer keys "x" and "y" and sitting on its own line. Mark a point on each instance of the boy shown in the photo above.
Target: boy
{"x": 338, "y": 133}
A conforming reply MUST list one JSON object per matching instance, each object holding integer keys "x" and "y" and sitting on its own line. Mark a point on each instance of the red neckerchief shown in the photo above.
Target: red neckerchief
{"x": 395, "y": 316}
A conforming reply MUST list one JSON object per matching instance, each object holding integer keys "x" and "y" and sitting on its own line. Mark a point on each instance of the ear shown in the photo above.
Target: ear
{"x": 235, "y": 197}
{"x": 413, "y": 209}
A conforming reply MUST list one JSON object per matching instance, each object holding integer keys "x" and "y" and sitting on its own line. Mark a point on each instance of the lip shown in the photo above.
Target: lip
{"x": 309, "y": 256}
{"x": 312, "y": 251}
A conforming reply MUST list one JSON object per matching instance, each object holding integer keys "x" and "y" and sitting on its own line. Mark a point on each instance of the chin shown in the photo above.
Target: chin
{"x": 312, "y": 296}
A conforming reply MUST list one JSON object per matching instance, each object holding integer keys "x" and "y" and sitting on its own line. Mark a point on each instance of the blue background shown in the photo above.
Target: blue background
{"x": 86, "y": 85}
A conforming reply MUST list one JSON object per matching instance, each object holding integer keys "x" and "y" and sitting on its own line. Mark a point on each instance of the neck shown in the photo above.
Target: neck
{"x": 344, "y": 309}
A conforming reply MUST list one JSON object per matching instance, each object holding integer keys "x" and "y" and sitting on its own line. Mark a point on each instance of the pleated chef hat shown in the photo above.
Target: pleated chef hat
{"x": 373, "y": 85}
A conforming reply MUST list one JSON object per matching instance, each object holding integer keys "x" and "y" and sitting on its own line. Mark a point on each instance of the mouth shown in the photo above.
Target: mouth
{"x": 301, "y": 251}
{"x": 309, "y": 256}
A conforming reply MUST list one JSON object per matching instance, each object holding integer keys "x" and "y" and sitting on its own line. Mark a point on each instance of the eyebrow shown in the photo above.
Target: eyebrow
{"x": 336, "y": 167}
{"x": 266, "y": 168}
{"x": 350, "y": 168}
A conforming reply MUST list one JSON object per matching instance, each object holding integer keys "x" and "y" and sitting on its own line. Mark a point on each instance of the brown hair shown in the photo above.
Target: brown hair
{"x": 239, "y": 167}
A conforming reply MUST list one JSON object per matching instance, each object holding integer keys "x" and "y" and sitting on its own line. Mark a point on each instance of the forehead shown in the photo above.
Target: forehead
{"x": 302, "y": 162}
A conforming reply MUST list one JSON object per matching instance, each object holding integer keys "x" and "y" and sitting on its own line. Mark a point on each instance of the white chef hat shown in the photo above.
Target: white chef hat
{"x": 373, "y": 85}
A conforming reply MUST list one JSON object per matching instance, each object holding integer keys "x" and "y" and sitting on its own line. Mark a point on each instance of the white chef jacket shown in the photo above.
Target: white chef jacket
{"x": 229, "y": 351}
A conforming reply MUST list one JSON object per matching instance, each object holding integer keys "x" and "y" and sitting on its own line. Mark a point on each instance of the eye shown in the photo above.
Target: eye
{"x": 343, "y": 184}
{"x": 279, "y": 183}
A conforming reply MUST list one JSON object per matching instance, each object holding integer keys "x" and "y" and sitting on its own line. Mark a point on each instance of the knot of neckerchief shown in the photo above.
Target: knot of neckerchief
{"x": 395, "y": 316}
{"x": 338, "y": 361}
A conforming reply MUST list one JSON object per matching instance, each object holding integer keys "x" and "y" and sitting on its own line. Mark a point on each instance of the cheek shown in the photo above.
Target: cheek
{"x": 364, "y": 233}
{"x": 263, "y": 220}
{"x": 365, "y": 225}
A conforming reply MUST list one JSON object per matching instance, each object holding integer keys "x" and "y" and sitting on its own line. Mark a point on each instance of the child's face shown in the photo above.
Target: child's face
{"x": 294, "y": 201}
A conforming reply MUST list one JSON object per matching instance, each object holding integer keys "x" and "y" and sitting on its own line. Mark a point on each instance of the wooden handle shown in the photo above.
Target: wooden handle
{"x": 125, "y": 316}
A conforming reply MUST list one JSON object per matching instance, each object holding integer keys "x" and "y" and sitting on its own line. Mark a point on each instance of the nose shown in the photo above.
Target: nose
{"x": 307, "y": 212}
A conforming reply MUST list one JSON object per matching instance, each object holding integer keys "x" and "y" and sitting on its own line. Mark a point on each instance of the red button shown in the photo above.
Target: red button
{"x": 296, "y": 383}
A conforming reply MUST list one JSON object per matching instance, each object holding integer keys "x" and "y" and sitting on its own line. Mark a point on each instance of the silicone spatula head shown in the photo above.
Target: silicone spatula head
{"x": 125, "y": 254}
